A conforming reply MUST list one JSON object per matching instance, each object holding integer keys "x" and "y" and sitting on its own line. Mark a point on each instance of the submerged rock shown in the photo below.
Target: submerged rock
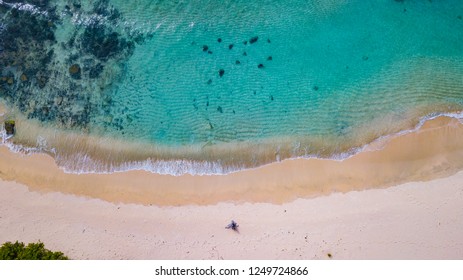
{"x": 95, "y": 71}
{"x": 10, "y": 127}
{"x": 104, "y": 43}
{"x": 31, "y": 80}
{"x": 260, "y": 66}
{"x": 42, "y": 79}
{"x": 58, "y": 100}
{"x": 221, "y": 72}
{"x": 253, "y": 39}
{"x": 230, "y": 46}
{"x": 74, "y": 70}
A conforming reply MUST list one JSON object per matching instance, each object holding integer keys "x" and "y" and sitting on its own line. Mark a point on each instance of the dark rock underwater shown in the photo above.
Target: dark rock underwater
{"x": 68, "y": 91}
{"x": 49, "y": 88}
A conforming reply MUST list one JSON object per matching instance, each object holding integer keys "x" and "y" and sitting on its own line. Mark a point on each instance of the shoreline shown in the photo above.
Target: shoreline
{"x": 433, "y": 151}
{"x": 92, "y": 153}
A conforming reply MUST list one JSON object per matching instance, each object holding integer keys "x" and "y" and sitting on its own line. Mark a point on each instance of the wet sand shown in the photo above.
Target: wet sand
{"x": 434, "y": 151}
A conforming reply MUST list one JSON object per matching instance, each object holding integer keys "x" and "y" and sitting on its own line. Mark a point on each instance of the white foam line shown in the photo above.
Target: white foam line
{"x": 422, "y": 121}
{"x": 84, "y": 164}
{"x": 25, "y": 7}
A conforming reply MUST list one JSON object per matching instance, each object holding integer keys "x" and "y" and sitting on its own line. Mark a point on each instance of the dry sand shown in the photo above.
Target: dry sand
{"x": 414, "y": 220}
{"x": 102, "y": 216}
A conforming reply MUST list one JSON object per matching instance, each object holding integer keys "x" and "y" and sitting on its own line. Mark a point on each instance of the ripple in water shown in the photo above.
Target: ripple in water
{"x": 185, "y": 87}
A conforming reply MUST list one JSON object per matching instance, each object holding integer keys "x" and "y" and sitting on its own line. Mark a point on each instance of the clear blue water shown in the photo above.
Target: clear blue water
{"x": 333, "y": 75}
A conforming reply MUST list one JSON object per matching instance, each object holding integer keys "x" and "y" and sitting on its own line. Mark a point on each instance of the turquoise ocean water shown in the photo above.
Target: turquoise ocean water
{"x": 216, "y": 86}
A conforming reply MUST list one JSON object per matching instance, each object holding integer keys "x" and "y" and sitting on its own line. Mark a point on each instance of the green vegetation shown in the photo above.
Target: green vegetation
{"x": 10, "y": 122}
{"x": 33, "y": 251}
{"x": 10, "y": 127}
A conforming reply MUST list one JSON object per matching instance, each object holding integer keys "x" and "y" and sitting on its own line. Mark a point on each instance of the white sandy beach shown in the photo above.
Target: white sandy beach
{"x": 358, "y": 208}
{"x": 327, "y": 129}
{"x": 410, "y": 221}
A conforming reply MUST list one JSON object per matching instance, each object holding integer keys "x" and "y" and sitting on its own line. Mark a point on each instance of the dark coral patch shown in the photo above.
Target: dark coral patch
{"x": 104, "y": 43}
{"x": 40, "y": 91}
{"x": 95, "y": 71}
{"x": 253, "y": 39}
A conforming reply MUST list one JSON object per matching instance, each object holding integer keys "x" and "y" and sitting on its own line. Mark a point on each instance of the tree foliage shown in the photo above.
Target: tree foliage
{"x": 33, "y": 251}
